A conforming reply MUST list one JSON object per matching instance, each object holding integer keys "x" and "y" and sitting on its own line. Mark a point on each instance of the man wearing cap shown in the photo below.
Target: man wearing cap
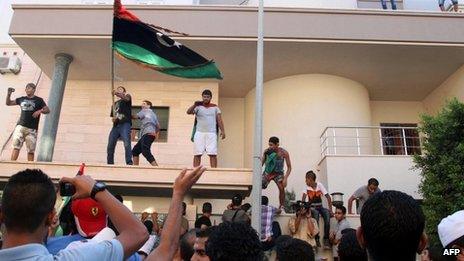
{"x": 33, "y": 192}
{"x": 26, "y": 129}
{"x": 451, "y": 233}
{"x": 91, "y": 220}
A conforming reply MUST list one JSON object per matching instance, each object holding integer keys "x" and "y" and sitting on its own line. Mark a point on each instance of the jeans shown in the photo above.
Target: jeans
{"x": 144, "y": 146}
{"x": 119, "y": 131}
{"x": 384, "y": 4}
{"x": 325, "y": 215}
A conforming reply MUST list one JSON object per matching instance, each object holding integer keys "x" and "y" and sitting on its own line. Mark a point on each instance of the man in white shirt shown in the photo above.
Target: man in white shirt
{"x": 207, "y": 122}
{"x": 314, "y": 192}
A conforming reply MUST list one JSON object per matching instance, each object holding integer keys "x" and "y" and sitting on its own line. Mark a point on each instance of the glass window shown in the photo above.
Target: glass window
{"x": 394, "y": 137}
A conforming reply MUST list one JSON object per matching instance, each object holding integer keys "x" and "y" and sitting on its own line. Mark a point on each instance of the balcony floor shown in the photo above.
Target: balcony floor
{"x": 143, "y": 181}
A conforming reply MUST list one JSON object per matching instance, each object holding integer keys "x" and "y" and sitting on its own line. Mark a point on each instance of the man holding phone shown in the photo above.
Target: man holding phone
{"x": 26, "y": 129}
{"x": 25, "y": 234}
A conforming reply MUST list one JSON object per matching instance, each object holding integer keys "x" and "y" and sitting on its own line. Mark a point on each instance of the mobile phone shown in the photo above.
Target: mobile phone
{"x": 67, "y": 189}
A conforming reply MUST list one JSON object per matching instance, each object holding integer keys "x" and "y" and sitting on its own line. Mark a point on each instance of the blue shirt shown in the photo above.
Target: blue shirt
{"x": 56, "y": 244}
{"x": 106, "y": 250}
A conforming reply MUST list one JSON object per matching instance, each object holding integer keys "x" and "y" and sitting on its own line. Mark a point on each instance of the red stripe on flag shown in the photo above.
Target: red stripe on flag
{"x": 121, "y": 12}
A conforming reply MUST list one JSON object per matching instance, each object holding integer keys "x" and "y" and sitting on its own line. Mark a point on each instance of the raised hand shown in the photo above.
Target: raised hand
{"x": 186, "y": 179}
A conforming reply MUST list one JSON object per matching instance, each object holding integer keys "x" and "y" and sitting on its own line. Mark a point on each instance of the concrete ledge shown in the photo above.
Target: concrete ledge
{"x": 144, "y": 181}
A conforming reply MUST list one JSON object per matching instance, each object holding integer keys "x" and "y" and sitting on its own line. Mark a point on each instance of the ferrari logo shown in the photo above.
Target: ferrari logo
{"x": 94, "y": 211}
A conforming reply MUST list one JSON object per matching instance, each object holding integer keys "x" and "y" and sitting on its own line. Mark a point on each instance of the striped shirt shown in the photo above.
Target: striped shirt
{"x": 267, "y": 216}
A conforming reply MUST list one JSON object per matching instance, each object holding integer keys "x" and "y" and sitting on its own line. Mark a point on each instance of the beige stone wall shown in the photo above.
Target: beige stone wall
{"x": 10, "y": 114}
{"x": 231, "y": 149}
{"x": 452, "y": 87}
{"x": 85, "y": 122}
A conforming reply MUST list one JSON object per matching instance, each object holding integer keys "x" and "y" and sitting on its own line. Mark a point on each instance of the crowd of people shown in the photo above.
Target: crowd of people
{"x": 102, "y": 228}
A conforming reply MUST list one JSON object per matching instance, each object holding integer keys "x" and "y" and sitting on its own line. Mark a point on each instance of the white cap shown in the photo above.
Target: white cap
{"x": 451, "y": 228}
{"x": 105, "y": 234}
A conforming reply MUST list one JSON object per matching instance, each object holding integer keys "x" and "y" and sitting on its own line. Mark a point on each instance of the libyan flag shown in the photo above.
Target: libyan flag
{"x": 143, "y": 44}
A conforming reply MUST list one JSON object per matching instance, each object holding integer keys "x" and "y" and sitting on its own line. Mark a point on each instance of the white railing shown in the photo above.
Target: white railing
{"x": 370, "y": 140}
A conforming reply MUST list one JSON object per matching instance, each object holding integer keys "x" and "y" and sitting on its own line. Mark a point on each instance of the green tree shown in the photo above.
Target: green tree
{"x": 442, "y": 165}
{"x": 289, "y": 200}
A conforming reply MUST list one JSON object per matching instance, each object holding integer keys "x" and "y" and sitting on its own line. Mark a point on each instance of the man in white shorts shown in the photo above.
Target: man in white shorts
{"x": 207, "y": 121}
{"x": 26, "y": 129}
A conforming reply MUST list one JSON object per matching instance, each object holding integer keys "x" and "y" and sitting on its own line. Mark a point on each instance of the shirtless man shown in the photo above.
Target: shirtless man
{"x": 274, "y": 158}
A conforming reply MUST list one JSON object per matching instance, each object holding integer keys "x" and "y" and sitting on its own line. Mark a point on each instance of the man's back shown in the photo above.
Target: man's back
{"x": 235, "y": 215}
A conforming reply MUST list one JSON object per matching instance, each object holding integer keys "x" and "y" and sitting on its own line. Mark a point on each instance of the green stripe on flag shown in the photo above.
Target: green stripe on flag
{"x": 208, "y": 70}
{"x": 137, "y": 53}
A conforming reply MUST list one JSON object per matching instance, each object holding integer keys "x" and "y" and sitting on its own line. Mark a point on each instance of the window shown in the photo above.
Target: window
{"x": 163, "y": 118}
{"x": 394, "y": 137}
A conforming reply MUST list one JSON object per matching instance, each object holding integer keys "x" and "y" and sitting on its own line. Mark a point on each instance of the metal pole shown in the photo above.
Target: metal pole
{"x": 381, "y": 141}
{"x": 258, "y": 135}
{"x": 113, "y": 107}
{"x": 404, "y": 142}
{"x": 334, "y": 141}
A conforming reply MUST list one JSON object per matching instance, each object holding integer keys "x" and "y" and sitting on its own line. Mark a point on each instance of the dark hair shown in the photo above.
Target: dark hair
{"x": 246, "y": 207}
{"x": 186, "y": 244}
{"x": 234, "y": 241}
{"x": 288, "y": 248}
{"x": 122, "y": 88}
{"x": 342, "y": 208}
{"x": 204, "y": 233}
{"x": 119, "y": 197}
{"x": 349, "y": 248}
{"x": 392, "y": 223}
{"x": 207, "y": 92}
{"x": 149, "y": 225}
{"x": 237, "y": 200}
{"x": 274, "y": 140}
{"x": 31, "y": 85}
{"x": 207, "y": 208}
{"x": 264, "y": 200}
{"x": 148, "y": 102}
{"x": 184, "y": 208}
{"x": 311, "y": 175}
{"x": 373, "y": 181}
{"x": 28, "y": 197}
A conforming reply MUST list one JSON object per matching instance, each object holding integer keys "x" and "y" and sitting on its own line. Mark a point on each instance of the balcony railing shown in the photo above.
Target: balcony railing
{"x": 370, "y": 140}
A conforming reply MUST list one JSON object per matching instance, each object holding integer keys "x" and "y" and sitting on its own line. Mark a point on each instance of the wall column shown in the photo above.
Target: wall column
{"x": 55, "y": 99}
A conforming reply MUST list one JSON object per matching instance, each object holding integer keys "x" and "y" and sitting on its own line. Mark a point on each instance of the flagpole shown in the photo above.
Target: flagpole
{"x": 258, "y": 135}
{"x": 113, "y": 109}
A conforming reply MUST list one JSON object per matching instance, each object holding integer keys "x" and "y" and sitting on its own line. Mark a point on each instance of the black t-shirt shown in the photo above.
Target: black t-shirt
{"x": 28, "y": 107}
{"x": 202, "y": 221}
{"x": 123, "y": 110}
